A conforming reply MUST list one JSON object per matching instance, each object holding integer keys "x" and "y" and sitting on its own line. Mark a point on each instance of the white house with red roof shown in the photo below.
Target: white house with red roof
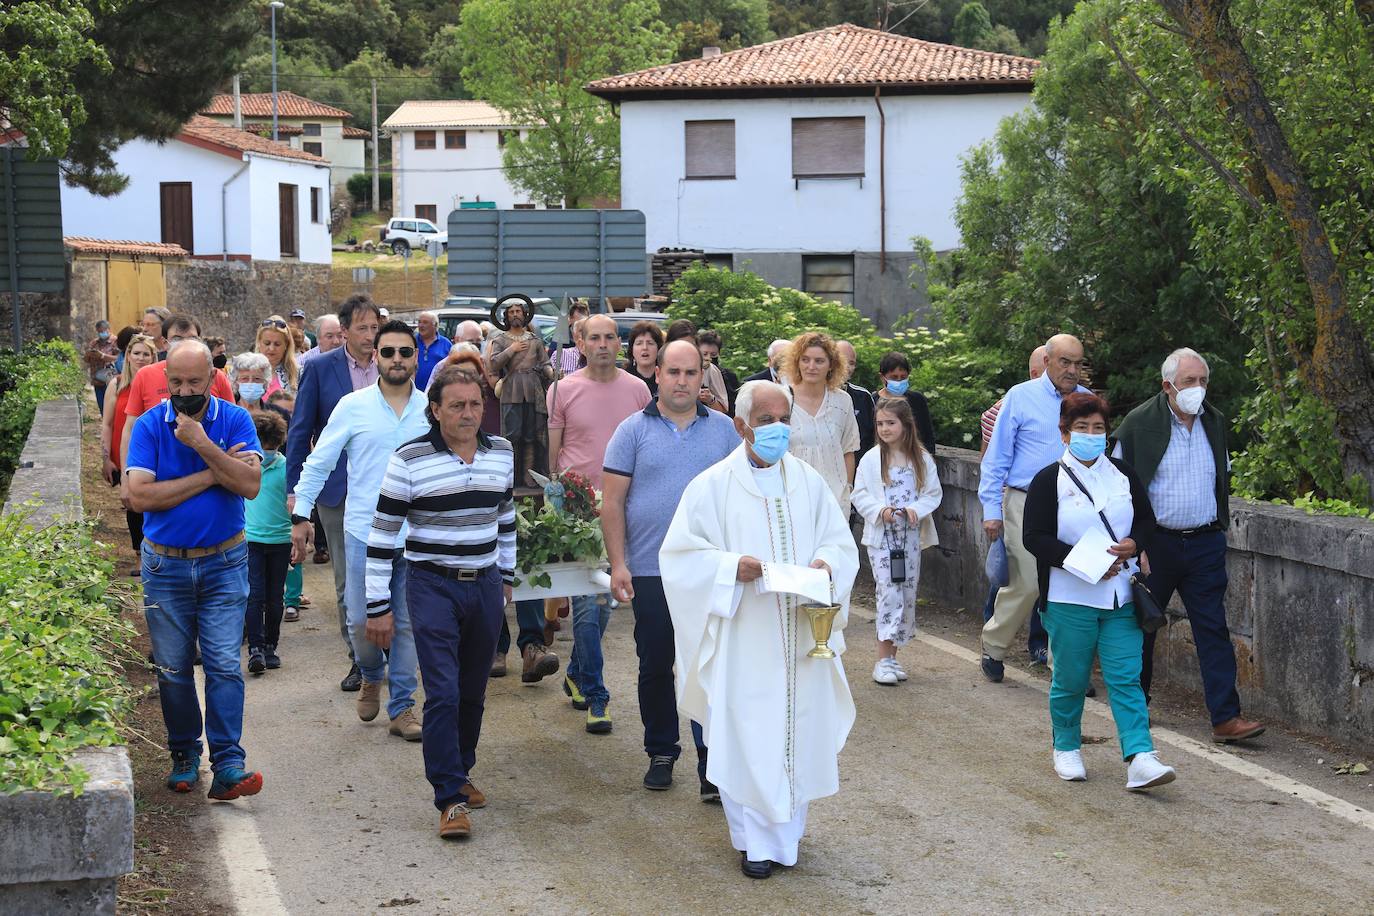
{"x": 813, "y": 159}
{"x": 302, "y": 124}
{"x": 218, "y": 192}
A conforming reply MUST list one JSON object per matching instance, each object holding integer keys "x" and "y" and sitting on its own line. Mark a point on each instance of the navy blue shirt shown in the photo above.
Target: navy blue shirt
{"x": 213, "y": 515}
{"x": 429, "y": 358}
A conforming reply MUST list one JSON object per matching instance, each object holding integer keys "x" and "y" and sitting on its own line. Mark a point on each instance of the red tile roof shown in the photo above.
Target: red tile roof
{"x": 842, "y": 57}
{"x": 259, "y": 105}
{"x": 356, "y": 133}
{"x": 203, "y": 131}
{"x": 118, "y": 246}
{"x": 264, "y": 129}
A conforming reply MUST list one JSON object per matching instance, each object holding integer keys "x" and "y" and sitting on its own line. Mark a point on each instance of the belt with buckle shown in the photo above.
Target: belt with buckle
{"x": 194, "y": 553}
{"x": 450, "y": 572}
{"x": 1192, "y": 532}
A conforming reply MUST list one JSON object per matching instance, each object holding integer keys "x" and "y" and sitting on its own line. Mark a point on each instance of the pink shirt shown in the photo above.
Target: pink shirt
{"x": 362, "y": 375}
{"x": 588, "y": 412}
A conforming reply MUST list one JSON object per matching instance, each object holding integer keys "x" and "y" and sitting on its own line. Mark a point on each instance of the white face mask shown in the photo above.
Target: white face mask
{"x": 1189, "y": 399}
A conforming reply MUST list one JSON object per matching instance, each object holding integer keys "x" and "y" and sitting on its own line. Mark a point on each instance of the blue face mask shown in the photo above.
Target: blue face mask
{"x": 103, "y": 335}
{"x": 770, "y": 442}
{"x": 898, "y": 388}
{"x": 252, "y": 391}
{"x": 1087, "y": 446}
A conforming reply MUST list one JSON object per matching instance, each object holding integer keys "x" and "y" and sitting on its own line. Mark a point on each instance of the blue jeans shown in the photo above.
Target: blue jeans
{"x": 396, "y": 667}
{"x": 1076, "y": 632}
{"x": 529, "y": 615}
{"x": 591, "y": 614}
{"x": 456, "y": 624}
{"x": 657, "y": 692}
{"x": 198, "y": 601}
{"x": 1036, "y": 637}
{"x": 1195, "y": 567}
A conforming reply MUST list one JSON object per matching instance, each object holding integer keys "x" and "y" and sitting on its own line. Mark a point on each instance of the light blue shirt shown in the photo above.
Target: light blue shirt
{"x": 1183, "y": 491}
{"x": 1025, "y": 440}
{"x": 363, "y": 425}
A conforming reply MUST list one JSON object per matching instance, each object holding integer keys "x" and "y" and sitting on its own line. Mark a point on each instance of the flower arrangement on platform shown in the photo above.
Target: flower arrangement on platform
{"x": 565, "y": 529}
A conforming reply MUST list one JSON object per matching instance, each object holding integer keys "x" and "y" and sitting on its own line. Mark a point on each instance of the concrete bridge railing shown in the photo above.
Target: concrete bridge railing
{"x": 1300, "y": 606}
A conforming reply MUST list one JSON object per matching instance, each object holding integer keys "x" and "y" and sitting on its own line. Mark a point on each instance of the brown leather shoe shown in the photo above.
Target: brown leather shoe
{"x": 369, "y": 700}
{"x": 321, "y": 557}
{"x": 454, "y": 822}
{"x": 476, "y": 798}
{"x": 539, "y": 663}
{"x": 498, "y": 666}
{"x": 406, "y": 725}
{"x": 1236, "y": 729}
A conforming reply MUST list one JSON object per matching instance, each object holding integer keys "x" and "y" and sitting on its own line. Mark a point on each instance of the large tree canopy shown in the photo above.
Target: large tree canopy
{"x": 531, "y": 58}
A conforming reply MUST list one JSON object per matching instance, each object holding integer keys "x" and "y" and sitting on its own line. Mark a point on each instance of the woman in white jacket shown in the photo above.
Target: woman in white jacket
{"x": 896, "y": 490}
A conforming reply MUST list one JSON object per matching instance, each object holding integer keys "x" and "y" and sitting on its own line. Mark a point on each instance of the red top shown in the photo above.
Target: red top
{"x": 117, "y": 425}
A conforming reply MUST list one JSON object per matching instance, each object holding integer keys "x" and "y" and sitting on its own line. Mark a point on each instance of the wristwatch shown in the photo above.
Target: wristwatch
{"x": 297, "y": 519}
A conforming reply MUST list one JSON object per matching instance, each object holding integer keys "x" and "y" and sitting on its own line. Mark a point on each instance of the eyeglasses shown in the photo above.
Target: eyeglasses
{"x": 390, "y": 352}
{"x": 273, "y": 323}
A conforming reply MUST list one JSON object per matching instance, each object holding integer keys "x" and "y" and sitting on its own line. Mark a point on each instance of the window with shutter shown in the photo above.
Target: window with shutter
{"x": 314, "y": 149}
{"x": 315, "y": 196}
{"x": 310, "y": 130}
{"x": 427, "y": 211}
{"x": 286, "y": 198}
{"x": 455, "y": 139}
{"x": 710, "y": 149}
{"x": 424, "y": 139}
{"x": 827, "y": 147}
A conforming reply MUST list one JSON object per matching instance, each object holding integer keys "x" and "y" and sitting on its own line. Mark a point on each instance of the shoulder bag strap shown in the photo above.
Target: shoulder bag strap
{"x": 1100, "y": 514}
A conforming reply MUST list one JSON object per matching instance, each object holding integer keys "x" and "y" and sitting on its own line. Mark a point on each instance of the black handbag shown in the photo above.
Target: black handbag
{"x": 1148, "y": 614}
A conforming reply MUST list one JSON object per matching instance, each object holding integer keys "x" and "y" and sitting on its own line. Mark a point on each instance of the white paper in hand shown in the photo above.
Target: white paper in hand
{"x": 1089, "y": 559}
{"x": 812, "y": 584}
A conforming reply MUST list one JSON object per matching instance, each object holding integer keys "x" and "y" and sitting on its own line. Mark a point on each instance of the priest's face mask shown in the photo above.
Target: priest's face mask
{"x": 768, "y": 427}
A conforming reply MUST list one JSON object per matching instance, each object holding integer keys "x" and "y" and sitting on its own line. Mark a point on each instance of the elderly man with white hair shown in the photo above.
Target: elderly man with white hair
{"x": 328, "y": 336}
{"x": 776, "y": 349}
{"x": 1176, "y": 441}
{"x": 431, "y": 348}
{"x": 747, "y": 534}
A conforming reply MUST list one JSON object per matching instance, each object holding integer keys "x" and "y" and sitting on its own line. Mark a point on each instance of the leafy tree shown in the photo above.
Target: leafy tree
{"x": 728, "y": 24}
{"x": 973, "y": 26}
{"x": 337, "y": 30}
{"x": 531, "y": 58}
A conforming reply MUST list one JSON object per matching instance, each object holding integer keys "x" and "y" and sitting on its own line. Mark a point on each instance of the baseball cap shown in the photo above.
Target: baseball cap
{"x": 298, "y": 313}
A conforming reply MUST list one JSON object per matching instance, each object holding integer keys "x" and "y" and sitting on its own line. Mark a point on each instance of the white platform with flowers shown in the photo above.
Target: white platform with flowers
{"x": 565, "y": 581}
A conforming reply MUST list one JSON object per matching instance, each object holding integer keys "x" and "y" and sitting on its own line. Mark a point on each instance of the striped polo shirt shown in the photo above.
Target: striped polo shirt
{"x": 460, "y": 515}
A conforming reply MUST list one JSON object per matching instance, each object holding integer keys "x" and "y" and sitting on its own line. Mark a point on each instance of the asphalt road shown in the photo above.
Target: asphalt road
{"x": 948, "y": 803}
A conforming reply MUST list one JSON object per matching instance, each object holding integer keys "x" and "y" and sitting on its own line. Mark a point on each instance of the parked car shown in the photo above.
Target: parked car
{"x": 401, "y": 235}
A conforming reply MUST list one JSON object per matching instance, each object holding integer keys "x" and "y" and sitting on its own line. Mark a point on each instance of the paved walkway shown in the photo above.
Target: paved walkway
{"x": 948, "y": 804}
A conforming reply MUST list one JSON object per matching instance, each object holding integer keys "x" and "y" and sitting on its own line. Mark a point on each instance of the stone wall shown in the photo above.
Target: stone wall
{"x": 232, "y": 297}
{"x": 1298, "y": 606}
{"x": 42, "y": 316}
{"x": 63, "y": 854}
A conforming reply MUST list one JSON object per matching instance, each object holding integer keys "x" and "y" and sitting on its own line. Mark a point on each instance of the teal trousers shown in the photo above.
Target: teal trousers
{"x": 1076, "y": 633}
{"x": 295, "y": 580}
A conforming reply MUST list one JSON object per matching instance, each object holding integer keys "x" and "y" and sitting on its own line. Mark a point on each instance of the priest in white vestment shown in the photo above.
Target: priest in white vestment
{"x": 774, "y": 719}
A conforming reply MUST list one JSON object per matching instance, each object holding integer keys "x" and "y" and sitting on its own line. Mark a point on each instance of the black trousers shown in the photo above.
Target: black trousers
{"x": 267, "y": 568}
{"x": 657, "y": 695}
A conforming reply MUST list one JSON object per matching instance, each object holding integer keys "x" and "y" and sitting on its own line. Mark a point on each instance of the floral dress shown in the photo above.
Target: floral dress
{"x": 897, "y": 603}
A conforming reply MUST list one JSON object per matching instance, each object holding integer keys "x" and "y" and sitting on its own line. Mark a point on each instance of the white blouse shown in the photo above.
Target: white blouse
{"x": 822, "y": 441}
{"x": 1111, "y": 492}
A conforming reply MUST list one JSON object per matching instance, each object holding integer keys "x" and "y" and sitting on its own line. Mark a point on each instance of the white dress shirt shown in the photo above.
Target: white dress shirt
{"x": 1111, "y": 492}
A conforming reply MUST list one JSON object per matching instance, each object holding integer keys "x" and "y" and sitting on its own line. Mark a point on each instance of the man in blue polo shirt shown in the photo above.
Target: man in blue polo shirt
{"x": 650, "y": 459}
{"x": 192, "y": 461}
{"x": 431, "y": 346}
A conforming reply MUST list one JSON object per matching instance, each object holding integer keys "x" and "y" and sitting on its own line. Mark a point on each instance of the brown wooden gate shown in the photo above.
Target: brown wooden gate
{"x": 178, "y": 226}
{"x": 286, "y": 194}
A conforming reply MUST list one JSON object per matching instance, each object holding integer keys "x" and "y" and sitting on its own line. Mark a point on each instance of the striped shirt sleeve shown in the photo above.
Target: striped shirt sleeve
{"x": 505, "y": 531}
{"x": 393, "y": 505}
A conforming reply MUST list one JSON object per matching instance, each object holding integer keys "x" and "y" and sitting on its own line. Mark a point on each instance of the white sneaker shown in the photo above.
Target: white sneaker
{"x": 883, "y": 673}
{"x": 1145, "y": 772}
{"x": 897, "y": 668}
{"x": 1068, "y": 765}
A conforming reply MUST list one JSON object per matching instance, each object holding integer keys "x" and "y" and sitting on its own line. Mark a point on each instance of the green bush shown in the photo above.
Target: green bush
{"x": 35, "y": 374}
{"x": 360, "y": 188}
{"x": 959, "y": 381}
{"x": 60, "y": 654}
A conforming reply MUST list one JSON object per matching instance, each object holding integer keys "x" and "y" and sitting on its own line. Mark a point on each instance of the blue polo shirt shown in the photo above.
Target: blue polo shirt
{"x": 429, "y": 358}
{"x": 213, "y": 515}
{"x": 660, "y": 461}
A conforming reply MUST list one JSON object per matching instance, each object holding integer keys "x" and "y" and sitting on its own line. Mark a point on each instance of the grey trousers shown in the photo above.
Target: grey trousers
{"x": 331, "y": 517}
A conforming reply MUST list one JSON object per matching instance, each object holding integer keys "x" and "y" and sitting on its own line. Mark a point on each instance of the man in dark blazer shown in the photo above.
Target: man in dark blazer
{"x": 770, "y": 371}
{"x": 862, "y": 398}
{"x": 327, "y": 378}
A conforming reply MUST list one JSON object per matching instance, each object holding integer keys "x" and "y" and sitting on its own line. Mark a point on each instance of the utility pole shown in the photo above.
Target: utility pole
{"x": 238, "y": 105}
{"x": 376, "y": 174}
{"x": 276, "y": 5}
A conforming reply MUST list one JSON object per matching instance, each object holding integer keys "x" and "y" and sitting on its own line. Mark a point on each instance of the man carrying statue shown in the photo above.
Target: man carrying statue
{"x": 774, "y": 716}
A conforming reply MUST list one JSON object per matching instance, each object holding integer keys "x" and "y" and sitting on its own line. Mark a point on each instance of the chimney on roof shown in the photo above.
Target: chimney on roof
{"x": 710, "y": 52}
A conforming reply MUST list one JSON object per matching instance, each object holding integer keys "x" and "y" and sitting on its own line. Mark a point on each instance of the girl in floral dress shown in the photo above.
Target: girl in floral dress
{"x": 896, "y": 490}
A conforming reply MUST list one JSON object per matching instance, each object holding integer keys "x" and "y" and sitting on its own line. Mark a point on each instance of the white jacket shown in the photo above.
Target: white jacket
{"x": 869, "y": 500}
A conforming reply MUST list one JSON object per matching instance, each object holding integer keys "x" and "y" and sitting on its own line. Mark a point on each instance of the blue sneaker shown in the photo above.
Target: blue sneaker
{"x": 993, "y": 669}
{"x": 185, "y": 772}
{"x": 1039, "y": 657}
{"x": 598, "y": 720}
{"x": 235, "y": 782}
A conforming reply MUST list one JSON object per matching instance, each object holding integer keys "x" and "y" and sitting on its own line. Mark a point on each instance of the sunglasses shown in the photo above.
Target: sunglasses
{"x": 273, "y": 323}
{"x": 390, "y": 352}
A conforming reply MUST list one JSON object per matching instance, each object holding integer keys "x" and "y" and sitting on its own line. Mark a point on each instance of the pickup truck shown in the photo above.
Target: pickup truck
{"x": 402, "y": 234}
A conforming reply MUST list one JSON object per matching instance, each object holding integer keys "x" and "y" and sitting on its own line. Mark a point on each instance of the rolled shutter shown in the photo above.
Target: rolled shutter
{"x": 710, "y": 149}
{"x": 827, "y": 147}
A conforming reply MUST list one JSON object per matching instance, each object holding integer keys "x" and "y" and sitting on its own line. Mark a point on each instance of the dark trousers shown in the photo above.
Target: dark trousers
{"x": 1195, "y": 567}
{"x": 267, "y": 568}
{"x": 455, "y": 625}
{"x": 321, "y": 539}
{"x": 529, "y": 615}
{"x": 135, "y": 522}
{"x": 657, "y": 696}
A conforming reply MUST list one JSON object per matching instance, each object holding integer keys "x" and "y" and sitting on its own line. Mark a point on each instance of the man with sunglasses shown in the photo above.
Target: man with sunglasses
{"x": 366, "y": 427}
